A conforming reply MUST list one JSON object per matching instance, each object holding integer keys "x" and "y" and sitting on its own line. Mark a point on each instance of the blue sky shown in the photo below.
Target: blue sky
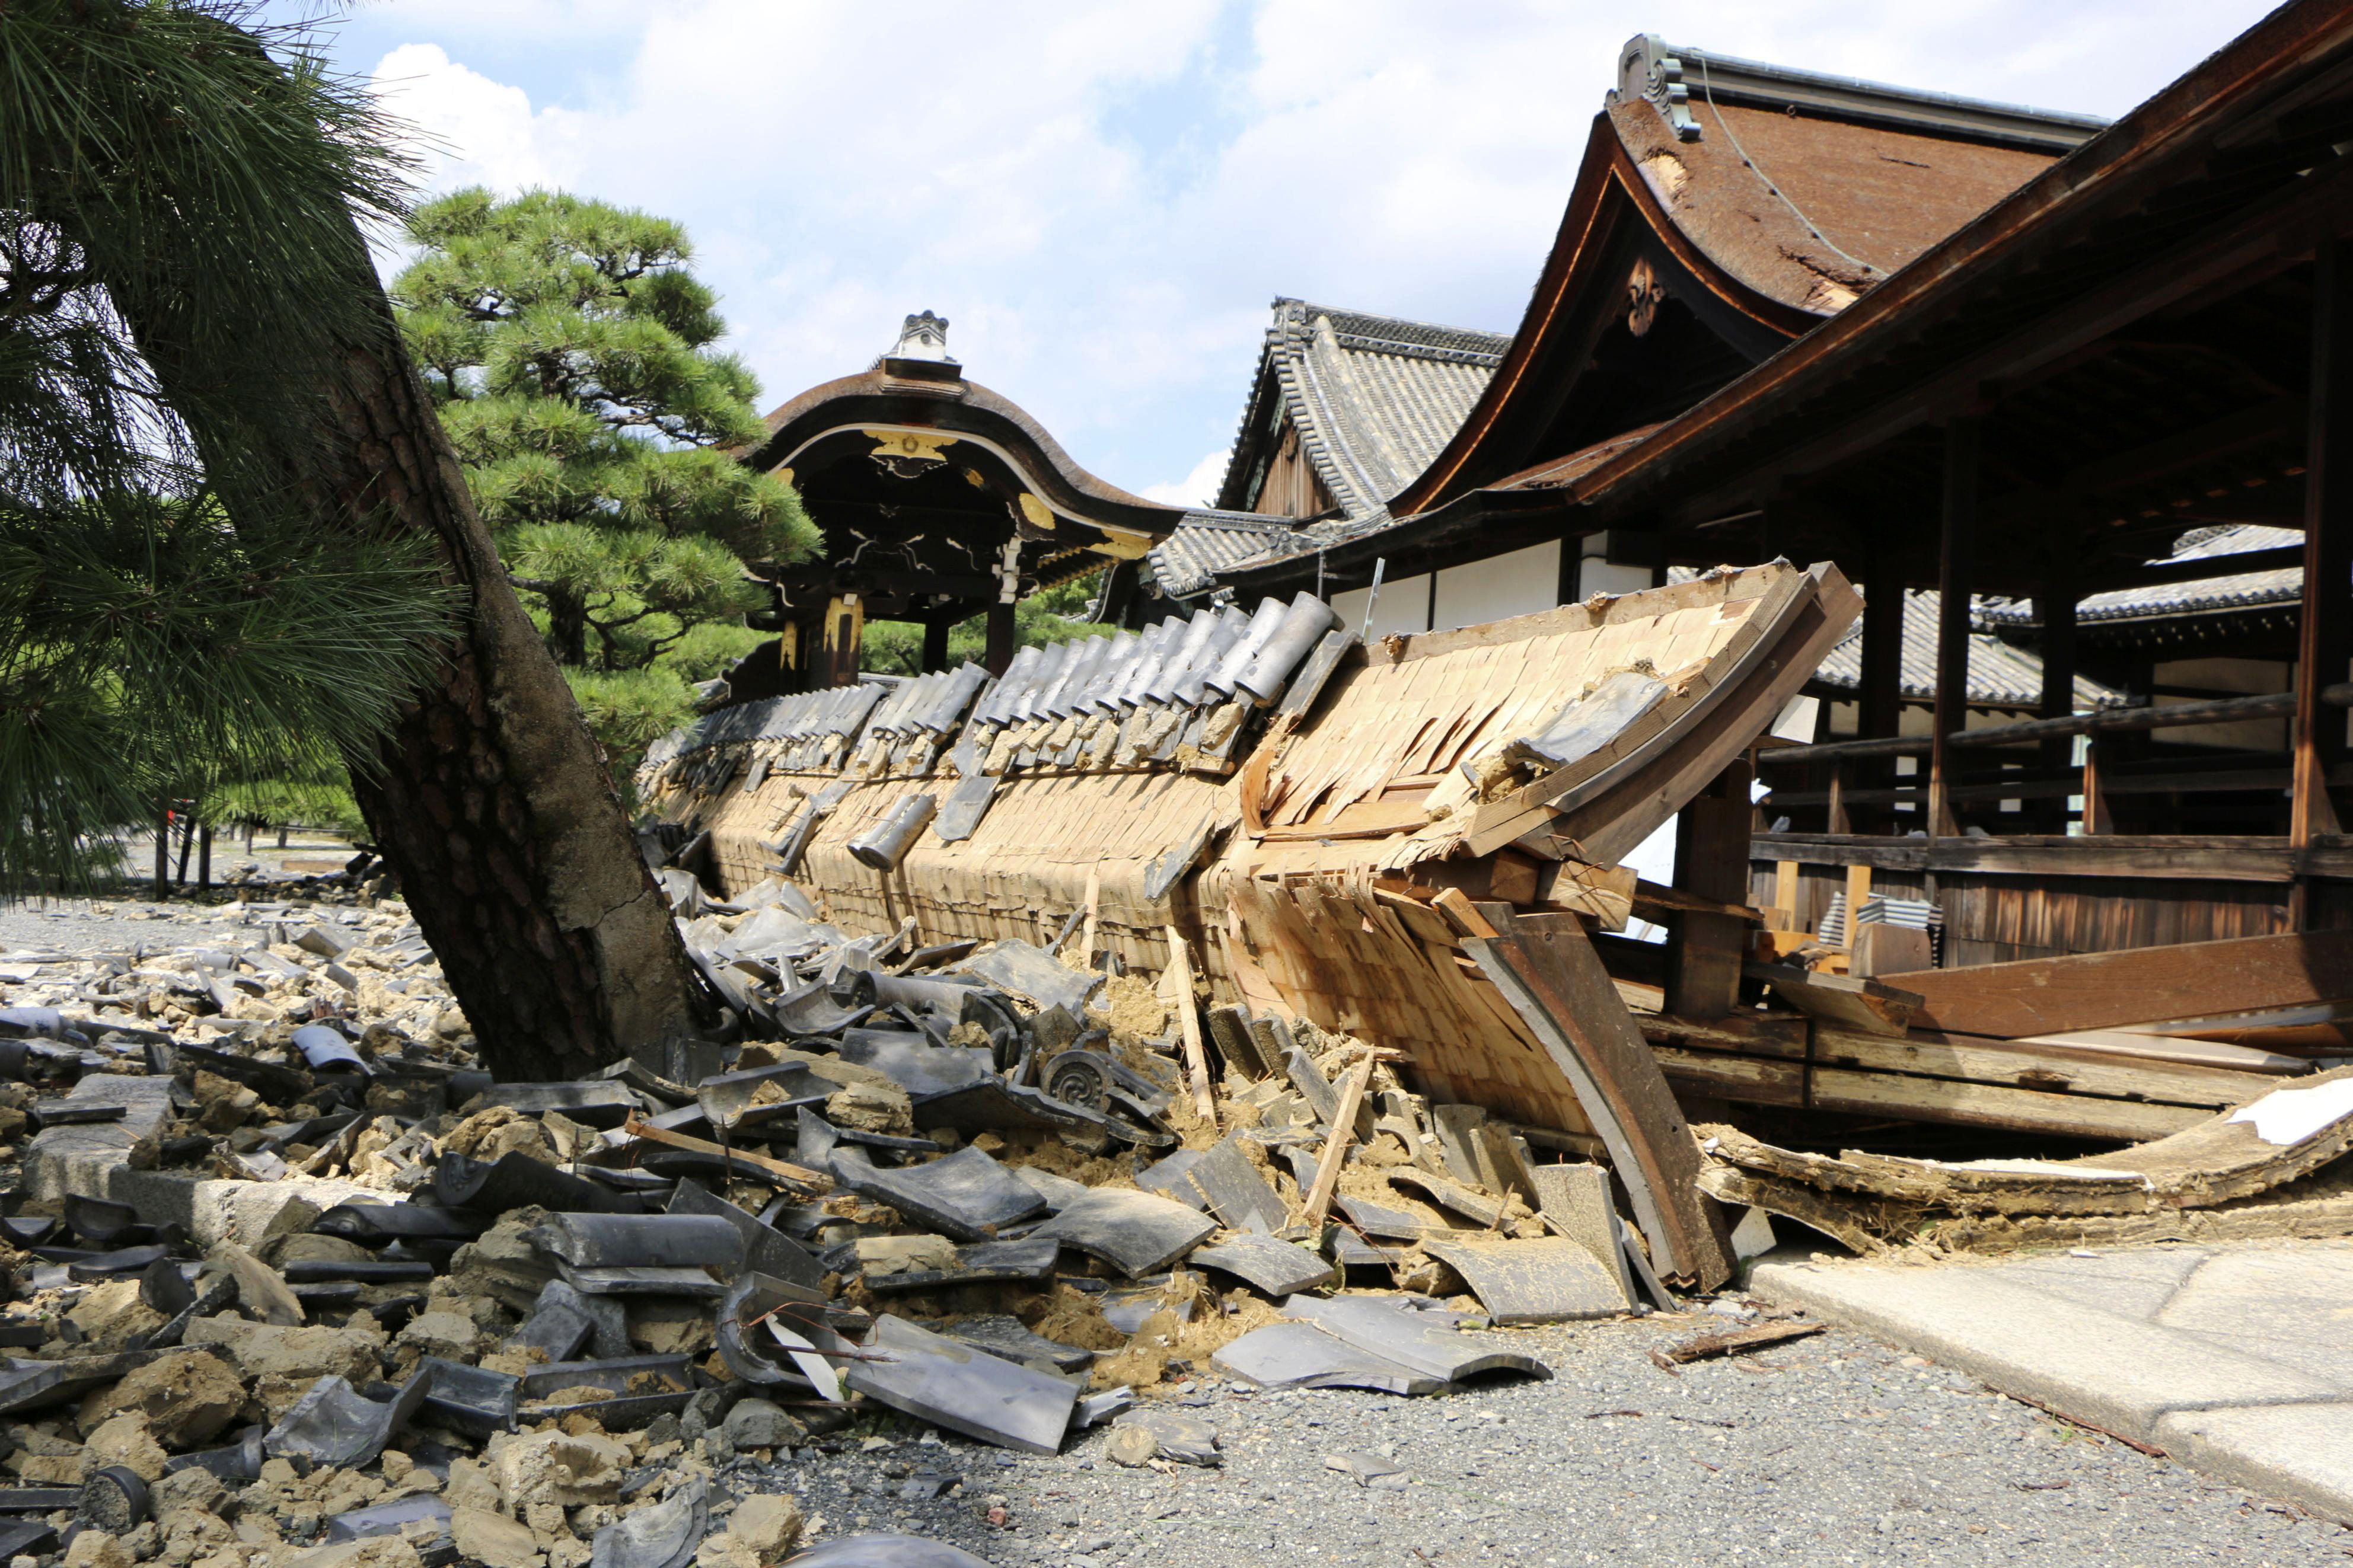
{"x": 1102, "y": 199}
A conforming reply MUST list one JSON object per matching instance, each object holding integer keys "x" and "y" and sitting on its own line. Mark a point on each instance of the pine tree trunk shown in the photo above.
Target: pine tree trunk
{"x": 492, "y": 800}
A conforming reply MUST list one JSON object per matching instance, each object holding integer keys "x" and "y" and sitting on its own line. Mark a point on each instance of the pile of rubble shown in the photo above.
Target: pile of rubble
{"x": 291, "y": 1275}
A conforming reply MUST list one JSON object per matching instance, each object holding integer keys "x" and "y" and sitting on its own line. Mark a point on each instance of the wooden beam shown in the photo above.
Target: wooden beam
{"x": 1335, "y": 1143}
{"x": 2325, "y": 636}
{"x": 2186, "y": 858}
{"x": 1000, "y": 651}
{"x": 1955, "y": 578}
{"x": 936, "y": 644}
{"x": 1712, "y": 863}
{"x": 2056, "y": 605}
{"x": 2139, "y": 985}
{"x": 1555, "y": 982}
{"x": 1189, "y": 1024}
{"x": 1879, "y": 709}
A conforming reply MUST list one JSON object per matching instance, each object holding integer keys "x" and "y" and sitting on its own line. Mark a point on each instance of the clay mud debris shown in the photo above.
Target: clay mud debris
{"x": 290, "y": 1274}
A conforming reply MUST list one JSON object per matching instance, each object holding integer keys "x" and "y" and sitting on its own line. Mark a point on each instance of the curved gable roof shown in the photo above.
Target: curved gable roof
{"x": 1765, "y": 200}
{"x": 1374, "y": 398}
{"x": 901, "y": 396}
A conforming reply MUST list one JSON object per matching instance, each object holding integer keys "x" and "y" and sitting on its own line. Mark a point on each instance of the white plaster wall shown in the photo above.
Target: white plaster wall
{"x": 1403, "y": 607}
{"x": 1518, "y": 583}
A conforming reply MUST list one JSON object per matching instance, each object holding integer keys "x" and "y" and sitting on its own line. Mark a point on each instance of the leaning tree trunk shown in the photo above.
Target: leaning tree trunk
{"x": 246, "y": 285}
{"x": 491, "y": 799}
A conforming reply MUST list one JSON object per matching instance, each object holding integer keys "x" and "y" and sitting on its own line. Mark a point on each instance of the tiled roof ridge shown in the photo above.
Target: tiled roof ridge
{"x": 1369, "y": 334}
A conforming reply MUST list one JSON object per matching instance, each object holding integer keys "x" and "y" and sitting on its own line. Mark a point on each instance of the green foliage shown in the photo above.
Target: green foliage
{"x": 569, "y": 352}
{"x": 315, "y": 798}
{"x": 629, "y": 709}
{"x": 1051, "y": 615}
{"x": 175, "y": 620}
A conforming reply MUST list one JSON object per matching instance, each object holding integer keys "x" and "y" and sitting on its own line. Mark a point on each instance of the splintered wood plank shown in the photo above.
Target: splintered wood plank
{"x": 1556, "y": 982}
{"x": 2139, "y": 985}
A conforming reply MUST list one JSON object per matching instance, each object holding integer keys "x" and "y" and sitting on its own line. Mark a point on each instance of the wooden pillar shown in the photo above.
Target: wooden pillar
{"x": 1879, "y": 710}
{"x": 844, "y": 640}
{"x": 2056, "y": 603}
{"x": 1000, "y": 638}
{"x": 1955, "y": 572}
{"x": 204, "y": 860}
{"x": 2325, "y": 636}
{"x": 1711, "y": 860}
{"x": 936, "y": 642}
{"x": 164, "y": 850}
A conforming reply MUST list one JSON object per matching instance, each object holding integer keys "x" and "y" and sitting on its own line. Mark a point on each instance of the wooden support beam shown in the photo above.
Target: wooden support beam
{"x": 1335, "y": 1143}
{"x": 936, "y": 644}
{"x": 2137, "y": 985}
{"x": 1554, "y": 980}
{"x": 1712, "y": 863}
{"x": 2324, "y": 638}
{"x": 1000, "y": 638}
{"x": 1955, "y": 577}
{"x": 1858, "y": 887}
{"x": 1879, "y": 710}
{"x": 1189, "y": 1024}
{"x": 2097, "y": 818}
{"x": 2056, "y": 607}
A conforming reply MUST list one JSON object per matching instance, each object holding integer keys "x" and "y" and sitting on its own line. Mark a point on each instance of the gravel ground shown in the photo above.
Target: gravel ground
{"x": 1833, "y": 1450}
{"x": 119, "y": 925}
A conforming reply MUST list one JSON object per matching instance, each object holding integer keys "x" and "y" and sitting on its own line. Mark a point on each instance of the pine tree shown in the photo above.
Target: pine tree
{"x": 569, "y": 351}
{"x": 200, "y": 181}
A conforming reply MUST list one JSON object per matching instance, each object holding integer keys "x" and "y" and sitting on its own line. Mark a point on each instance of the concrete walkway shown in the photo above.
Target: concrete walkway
{"x": 2236, "y": 1361}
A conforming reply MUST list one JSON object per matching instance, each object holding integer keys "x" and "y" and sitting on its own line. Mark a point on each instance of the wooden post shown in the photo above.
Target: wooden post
{"x": 1879, "y": 710}
{"x": 1840, "y": 818}
{"x": 2325, "y": 636}
{"x": 204, "y": 860}
{"x": 164, "y": 850}
{"x": 845, "y": 638}
{"x": 1189, "y": 1024}
{"x": 2056, "y": 603}
{"x": 936, "y": 643}
{"x": 1000, "y": 638}
{"x": 1711, "y": 860}
{"x": 1858, "y": 887}
{"x": 1335, "y": 1143}
{"x": 1955, "y": 572}
{"x": 2096, "y": 816}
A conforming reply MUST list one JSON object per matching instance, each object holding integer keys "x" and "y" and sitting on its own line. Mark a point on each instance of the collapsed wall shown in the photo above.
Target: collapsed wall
{"x": 1297, "y": 809}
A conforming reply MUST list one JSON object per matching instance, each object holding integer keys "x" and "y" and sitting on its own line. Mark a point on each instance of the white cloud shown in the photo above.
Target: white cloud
{"x": 1103, "y": 197}
{"x": 472, "y": 130}
{"x": 1199, "y": 487}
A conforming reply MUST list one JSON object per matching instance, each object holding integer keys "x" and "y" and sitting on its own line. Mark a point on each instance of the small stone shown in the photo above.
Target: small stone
{"x": 112, "y": 1313}
{"x": 1366, "y": 1469}
{"x": 441, "y": 1333}
{"x": 97, "y": 1549}
{"x": 769, "y": 1524}
{"x": 125, "y": 1440}
{"x": 185, "y": 1398}
{"x": 760, "y": 1424}
{"x": 555, "y": 1467}
{"x": 1131, "y": 1446}
{"x": 491, "y": 1539}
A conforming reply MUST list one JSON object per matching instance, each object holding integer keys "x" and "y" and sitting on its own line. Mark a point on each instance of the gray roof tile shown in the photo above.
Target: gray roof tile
{"x": 2001, "y": 675}
{"x": 1374, "y": 398}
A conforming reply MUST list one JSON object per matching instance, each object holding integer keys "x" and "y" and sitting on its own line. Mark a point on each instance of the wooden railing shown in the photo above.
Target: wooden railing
{"x": 2097, "y": 779}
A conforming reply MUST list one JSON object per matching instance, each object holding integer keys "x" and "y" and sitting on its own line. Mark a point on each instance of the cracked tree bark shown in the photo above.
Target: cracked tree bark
{"x": 490, "y": 798}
